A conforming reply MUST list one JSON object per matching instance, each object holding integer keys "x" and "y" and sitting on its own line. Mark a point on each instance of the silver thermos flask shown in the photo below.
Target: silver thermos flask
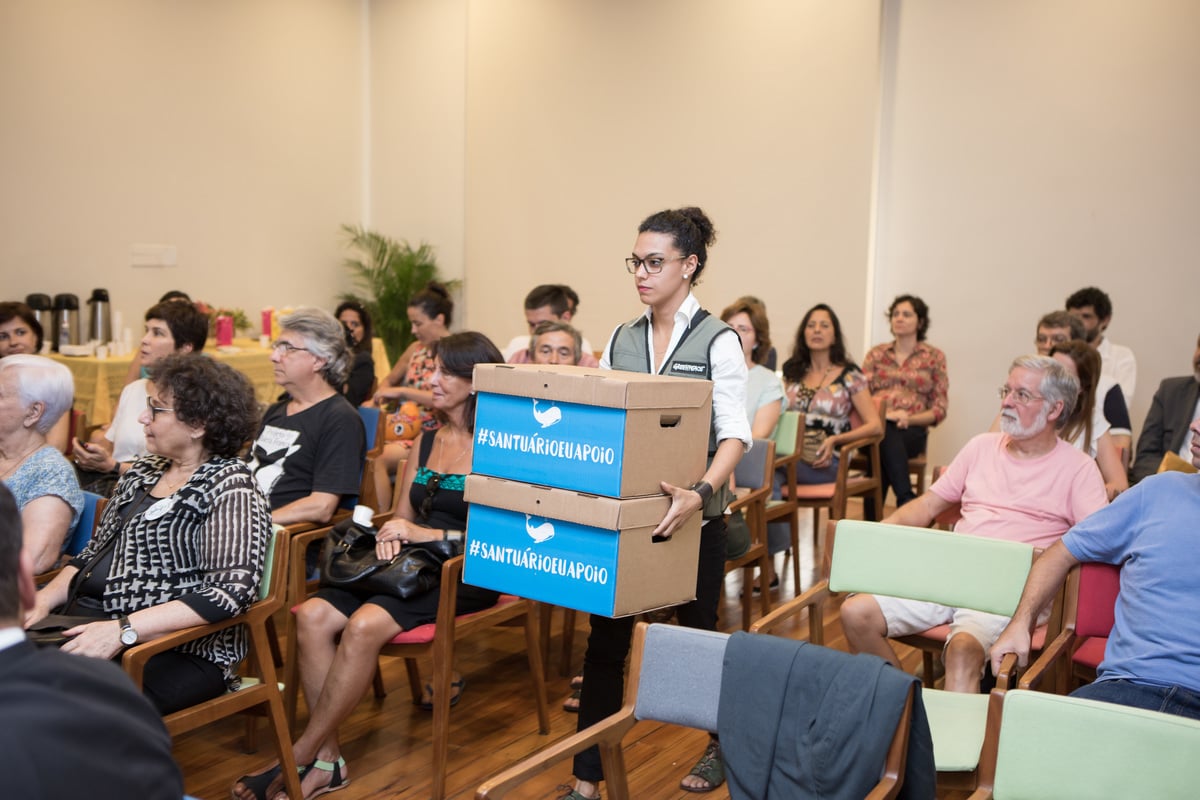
{"x": 66, "y": 320}
{"x": 100, "y": 319}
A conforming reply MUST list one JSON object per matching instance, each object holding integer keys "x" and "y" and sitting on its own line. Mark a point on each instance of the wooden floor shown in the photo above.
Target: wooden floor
{"x": 386, "y": 742}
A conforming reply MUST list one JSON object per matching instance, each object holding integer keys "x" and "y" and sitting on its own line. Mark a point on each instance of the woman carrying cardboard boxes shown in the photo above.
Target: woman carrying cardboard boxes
{"x": 674, "y": 336}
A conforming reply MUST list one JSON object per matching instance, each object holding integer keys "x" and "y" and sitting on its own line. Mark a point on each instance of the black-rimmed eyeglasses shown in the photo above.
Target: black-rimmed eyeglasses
{"x": 652, "y": 264}
{"x": 156, "y": 410}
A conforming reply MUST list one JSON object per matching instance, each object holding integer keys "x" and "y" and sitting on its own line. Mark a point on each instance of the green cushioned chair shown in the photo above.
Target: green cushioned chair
{"x": 1052, "y": 747}
{"x": 952, "y": 569}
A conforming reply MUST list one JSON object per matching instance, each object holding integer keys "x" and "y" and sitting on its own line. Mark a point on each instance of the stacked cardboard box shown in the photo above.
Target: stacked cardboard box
{"x": 565, "y": 491}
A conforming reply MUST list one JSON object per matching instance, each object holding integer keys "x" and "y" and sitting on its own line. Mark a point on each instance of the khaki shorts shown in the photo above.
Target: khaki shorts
{"x": 905, "y": 617}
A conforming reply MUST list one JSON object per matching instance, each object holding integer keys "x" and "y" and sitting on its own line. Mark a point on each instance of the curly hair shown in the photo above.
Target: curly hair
{"x": 690, "y": 229}
{"x": 919, "y": 308}
{"x": 364, "y": 318}
{"x": 212, "y": 395}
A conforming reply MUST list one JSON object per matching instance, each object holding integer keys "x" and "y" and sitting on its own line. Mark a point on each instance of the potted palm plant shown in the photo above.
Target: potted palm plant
{"x": 390, "y": 272}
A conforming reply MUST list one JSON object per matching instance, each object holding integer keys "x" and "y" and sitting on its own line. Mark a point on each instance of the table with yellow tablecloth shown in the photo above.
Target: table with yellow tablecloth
{"x": 99, "y": 381}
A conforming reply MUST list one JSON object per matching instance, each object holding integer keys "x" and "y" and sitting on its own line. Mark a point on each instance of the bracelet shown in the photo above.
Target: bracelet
{"x": 704, "y": 489}
{"x": 452, "y": 536}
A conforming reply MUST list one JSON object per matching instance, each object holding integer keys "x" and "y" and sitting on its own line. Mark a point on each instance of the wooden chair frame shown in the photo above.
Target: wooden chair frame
{"x": 813, "y": 600}
{"x": 448, "y": 629}
{"x": 753, "y": 503}
{"x": 259, "y": 662}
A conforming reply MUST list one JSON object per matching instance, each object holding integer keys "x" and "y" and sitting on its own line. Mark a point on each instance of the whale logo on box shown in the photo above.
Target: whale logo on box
{"x": 539, "y": 533}
{"x": 547, "y": 417}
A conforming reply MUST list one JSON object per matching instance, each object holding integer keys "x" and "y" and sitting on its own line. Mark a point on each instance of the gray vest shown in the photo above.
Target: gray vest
{"x": 690, "y": 359}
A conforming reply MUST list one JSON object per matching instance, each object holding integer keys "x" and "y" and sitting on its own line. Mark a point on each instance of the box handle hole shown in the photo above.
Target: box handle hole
{"x": 669, "y": 420}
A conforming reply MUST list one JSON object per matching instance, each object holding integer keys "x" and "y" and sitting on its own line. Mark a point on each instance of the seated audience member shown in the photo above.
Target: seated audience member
{"x": 1152, "y": 659}
{"x": 548, "y": 302}
{"x": 360, "y": 340}
{"x": 1058, "y": 328}
{"x": 341, "y": 631}
{"x": 556, "y": 343}
{"x": 310, "y": 449}
{"x": 764, "y": 392}
{"x": 136, "y": 368}
{"x": 1024, "y": 484}
{"x": 1094, "y": 309}
{"x": 183, "y": 541}
{"x": 407, "y": 386}
{"x": 768, "y": 361}
{"x": 1175, "y": 406}
{"x": 20, "y": 332}
{"x": 908, "y": 375}
{"x": 1086, "y": 428}
{"x": 69, "y": 727}
{"x": 822, "y": 383}
{"x": 34, "y": 393}
{"x": 171, "y": 327}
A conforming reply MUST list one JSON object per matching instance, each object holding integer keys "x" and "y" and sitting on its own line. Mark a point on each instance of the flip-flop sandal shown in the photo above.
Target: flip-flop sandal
{"x": 334, "y": 768}
{"x": 577, "y": 680}
{"x": 460, "y": 685}
{"x": 710, "y": 769}
{"x": 571, "y": 704}
{"x": 259, "y": 783}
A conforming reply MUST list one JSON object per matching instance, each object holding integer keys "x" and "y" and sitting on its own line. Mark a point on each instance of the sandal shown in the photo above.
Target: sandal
{"x": 710, "y": 769}
{"x": 571, "y": 704}
{"x": 572, "y": 794}
{"x": 334, "y": 768}
{"x": 258, "y": 783}
{"x": 458, "y": 687}
{"x": 577, "y": 680}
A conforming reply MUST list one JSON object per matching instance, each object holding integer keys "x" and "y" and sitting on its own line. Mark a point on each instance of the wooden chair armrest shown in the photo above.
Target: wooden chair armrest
{"x": 747, "y": 500}
{"x": 1007, "y": 679}
{"x": 611, "y": 730}
{"x": 791, "y": 608}
{"x": 133, "y": 660}
{"x": 1050, "y": 653}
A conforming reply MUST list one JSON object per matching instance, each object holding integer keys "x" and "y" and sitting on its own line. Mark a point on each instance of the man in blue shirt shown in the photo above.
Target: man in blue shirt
{"x": 1152, "y": 659}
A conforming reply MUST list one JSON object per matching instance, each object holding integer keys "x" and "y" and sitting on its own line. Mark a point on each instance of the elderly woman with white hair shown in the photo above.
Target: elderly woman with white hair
{"x": 34, "y": 394}
{"x": 310, "y": 449}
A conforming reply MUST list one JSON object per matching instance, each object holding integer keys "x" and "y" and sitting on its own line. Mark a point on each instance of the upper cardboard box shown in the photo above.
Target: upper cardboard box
{"x": 616, "y": 434}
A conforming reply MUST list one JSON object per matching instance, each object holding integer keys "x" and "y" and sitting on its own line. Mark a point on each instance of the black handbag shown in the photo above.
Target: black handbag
{"x": 348, "y": 561}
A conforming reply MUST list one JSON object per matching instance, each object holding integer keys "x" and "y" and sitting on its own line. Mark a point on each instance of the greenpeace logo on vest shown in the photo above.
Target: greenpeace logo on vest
{"x": 689, "y": 368}
{"x": 539, "y": 533}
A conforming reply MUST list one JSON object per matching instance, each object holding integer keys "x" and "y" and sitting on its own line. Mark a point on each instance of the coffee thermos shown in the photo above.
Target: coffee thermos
{"x": 100, "y": 317}
{"x": 41, "y": 307}
{"x": 66, "y": 330}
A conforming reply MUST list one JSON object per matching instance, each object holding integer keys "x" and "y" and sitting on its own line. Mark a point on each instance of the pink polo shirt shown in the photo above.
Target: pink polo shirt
{"x": 1025, "y": 500}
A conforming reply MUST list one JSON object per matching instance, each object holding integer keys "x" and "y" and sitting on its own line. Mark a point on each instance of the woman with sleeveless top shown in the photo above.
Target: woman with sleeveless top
{"x": 341, "y": 632}
{"x": 672, "y": 337}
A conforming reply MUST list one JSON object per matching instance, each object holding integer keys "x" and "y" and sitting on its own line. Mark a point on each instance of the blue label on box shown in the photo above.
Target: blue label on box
{"x": 552, "y": 443}
{"x": 544, "y": 559}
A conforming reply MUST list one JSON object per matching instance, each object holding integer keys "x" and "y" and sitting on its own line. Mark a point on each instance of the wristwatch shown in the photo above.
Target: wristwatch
{"x": 129, "y": 634}
{"x": 704, "y": 489}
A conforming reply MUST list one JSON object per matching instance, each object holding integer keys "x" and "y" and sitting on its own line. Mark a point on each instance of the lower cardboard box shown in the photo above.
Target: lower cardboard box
{"x": 581, "y": 551}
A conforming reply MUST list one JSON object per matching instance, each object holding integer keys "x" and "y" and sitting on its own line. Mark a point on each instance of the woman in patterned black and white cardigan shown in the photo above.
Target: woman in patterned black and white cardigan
{"x": 183, "y": 540}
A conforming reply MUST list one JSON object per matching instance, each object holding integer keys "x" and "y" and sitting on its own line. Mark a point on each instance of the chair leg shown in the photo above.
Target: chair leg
{"x": 546, "y": 614}
{"x": 927, "y": 663}
{"x": 747, "y": 594}
{"x": 568, "y": 642}
{"x": 443, "y": 667}
{"x": 794, "y": 522}
{"x": 537, "y": 668}
{"x": 413, "y": 670}
{"x": 377, "y": 682}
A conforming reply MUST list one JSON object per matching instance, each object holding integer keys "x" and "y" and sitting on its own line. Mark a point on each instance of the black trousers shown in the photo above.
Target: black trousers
{"x": 897, "y": 447}
{"x": 609, "y": 641}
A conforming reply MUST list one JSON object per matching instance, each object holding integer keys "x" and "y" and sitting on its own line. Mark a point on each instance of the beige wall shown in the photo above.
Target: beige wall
{"x": 1029, "y": 149}
{"x": 228, "y": 129}
{"x": 585, "y": 117}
